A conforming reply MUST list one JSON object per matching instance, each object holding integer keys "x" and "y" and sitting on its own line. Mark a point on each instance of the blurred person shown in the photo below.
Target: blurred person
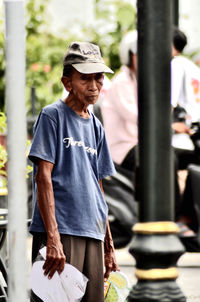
{"x": 120, "y": 106}
{"x": 185, "y": 100}
{"x": 120, "y": 112}
{"x": 71, "y": 157}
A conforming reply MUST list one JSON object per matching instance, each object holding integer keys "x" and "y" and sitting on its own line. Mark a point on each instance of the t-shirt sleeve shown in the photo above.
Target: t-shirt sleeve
{"x": 105, "y": 163}
{"x": 44, "y": 140}
{"x": 177, "y": 80}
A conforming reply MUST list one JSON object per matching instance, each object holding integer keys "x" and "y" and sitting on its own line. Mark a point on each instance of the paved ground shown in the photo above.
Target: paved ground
{"x": 188, "y": 267}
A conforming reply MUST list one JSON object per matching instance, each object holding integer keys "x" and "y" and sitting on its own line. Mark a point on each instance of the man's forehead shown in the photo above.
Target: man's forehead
{"x": 89, "y": 74}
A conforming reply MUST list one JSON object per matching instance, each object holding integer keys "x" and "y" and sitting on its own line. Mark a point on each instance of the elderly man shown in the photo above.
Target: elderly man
{"x": 71, "y": 157}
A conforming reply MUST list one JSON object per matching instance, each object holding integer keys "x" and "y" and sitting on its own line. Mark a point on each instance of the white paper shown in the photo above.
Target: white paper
{"x": 69, "y": 286}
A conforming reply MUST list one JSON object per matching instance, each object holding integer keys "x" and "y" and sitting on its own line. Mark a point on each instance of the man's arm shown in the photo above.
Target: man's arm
{"x": 55, "y": 258}
{"x": 109, "y": 251}
{"x": 181, "y": 127}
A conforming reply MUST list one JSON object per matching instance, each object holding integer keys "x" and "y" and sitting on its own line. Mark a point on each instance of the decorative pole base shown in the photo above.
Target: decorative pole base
{"x": 156, "y": 249}
{"x": 151, "y": 291}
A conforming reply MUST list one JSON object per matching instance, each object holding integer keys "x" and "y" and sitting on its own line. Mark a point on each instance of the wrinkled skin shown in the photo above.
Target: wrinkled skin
{"x": 109, "y": 254}
{"x": 84, "y": 90}
{"x": 55, "y": 258}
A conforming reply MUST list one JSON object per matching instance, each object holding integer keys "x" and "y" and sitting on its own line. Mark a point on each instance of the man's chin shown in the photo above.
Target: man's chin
{"x": 92, "y": 100}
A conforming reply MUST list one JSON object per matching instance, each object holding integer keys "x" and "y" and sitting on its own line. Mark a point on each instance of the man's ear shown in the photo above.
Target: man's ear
{"x": 67, "y": 83}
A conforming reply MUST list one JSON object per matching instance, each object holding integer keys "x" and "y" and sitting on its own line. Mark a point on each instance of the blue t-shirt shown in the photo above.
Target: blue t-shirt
{"x": 78, "y": 149}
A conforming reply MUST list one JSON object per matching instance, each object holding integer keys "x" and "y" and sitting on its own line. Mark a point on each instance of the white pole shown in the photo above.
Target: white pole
{"x": 16, "y": 146}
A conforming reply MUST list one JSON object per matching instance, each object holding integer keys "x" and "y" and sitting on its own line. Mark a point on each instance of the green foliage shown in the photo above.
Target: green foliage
{"x": 44, "y": 50}
{"x": 2, "y": 65}
{"x": 3, "y": 152}
{"x": 114, "y": 18}
{"x": 3, "y": 124}
{"x": 3, "y": 159}
{"x": 29, "y": 169}
{"x": 44, "y": 69}
{"x": 44, "y": 56}
{"x": 35, "y": 16}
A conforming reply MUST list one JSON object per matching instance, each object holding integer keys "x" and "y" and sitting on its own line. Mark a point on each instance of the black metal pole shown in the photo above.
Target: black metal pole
{"x": 155, "y": 245}
{"x": 33, "y": 101}
{"x": 154, "y": 55}
{"x": 175, "y": 12}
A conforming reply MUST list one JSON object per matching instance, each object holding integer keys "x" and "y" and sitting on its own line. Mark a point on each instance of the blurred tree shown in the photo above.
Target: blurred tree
{"x": 44, "y": 51}
{"x": 44, "y": 56}
{"x": 113, "y": 19}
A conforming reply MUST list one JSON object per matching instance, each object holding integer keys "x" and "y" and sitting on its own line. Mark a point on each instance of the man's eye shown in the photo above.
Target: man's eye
{"x": 83, "y": 77}
{"x": 99, "y": 77}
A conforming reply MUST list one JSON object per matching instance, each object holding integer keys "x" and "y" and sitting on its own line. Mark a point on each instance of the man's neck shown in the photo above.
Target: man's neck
{"x": 80, "y": 109}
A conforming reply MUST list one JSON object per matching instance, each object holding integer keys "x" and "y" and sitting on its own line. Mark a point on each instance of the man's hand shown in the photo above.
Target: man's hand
{"x": 110, "y": 262}
{"x": 180, "y": 127}
{"x": 109, "y": 254}
{"x": 55, "y": 258}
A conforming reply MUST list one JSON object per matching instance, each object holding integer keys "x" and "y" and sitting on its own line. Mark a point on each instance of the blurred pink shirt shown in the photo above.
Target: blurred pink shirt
{"x": 120, "y": 114}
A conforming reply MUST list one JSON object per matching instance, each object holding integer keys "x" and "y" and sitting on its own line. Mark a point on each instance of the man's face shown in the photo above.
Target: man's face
{"x": 86, "y": 87}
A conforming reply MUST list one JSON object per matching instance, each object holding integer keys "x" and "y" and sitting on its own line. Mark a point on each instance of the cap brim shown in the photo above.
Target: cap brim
{"x": 88, "y": 68}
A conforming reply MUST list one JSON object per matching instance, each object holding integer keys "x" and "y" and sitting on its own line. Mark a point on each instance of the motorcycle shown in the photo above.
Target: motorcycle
{"x": 119, "y": 192}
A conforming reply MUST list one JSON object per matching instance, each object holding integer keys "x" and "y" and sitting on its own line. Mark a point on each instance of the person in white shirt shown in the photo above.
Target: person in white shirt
{"x": 185, "y": 79}
{"x": 185, "y": 96}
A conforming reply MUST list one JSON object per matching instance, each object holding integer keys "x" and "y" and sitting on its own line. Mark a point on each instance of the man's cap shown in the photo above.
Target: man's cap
{"x": 86, "y": 58}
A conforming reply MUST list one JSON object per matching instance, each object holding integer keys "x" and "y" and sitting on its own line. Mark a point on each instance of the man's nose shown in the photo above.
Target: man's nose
{"x": 92, "y": 84}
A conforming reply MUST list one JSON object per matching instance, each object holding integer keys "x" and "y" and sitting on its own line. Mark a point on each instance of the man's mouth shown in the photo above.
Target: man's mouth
{"x": 92, "y": 95}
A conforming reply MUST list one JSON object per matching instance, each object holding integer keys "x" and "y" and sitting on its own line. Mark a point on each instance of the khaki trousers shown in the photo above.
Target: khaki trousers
{"x": 86, "y": 254}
